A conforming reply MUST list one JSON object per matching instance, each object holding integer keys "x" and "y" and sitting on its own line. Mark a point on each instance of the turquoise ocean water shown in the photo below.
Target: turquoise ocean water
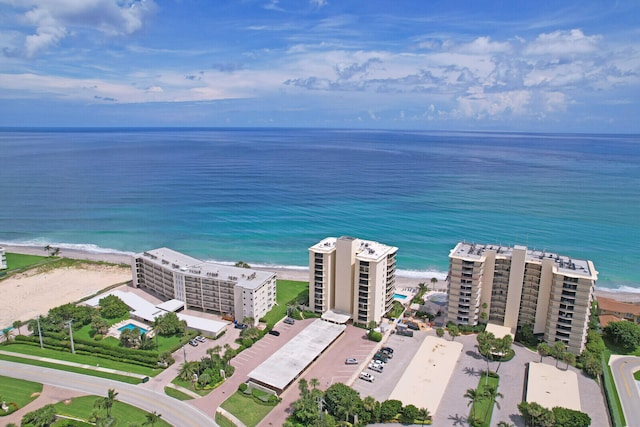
{"x": 265, "y": 195}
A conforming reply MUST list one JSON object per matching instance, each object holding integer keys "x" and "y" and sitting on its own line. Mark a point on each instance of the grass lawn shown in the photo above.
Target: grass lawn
{"x": 21, "y": 262}
{"x": 176, "y": 394}
{"x": 80, "y": 358}
{"x": 288, "y": 290}
{"x": 82, "y": 407}
{"x": 484, "y": 406}
{"x": 115, "y": 377}
{"x": 636, "y": 375}
{"x": 19, "y": 392}
{"x": 246, "y": 409}
{"x": 187, "y": 385}
{"x": 223, "y": 421}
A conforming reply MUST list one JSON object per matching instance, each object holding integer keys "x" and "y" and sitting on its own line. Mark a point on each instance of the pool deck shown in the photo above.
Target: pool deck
{"x": 114, "y": 331}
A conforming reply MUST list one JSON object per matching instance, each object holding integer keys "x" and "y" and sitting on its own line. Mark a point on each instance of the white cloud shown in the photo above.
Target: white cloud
{"x": 563, "y": 43}
{"x": 478, "y": 104}
{"x": 55, "y": 20}
{"x": 484, "y": 45}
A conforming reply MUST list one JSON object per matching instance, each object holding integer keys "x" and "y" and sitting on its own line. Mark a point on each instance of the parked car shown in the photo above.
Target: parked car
{"x": 351, "y": 361}
{"x": 404, "y": 332}
{"x": 193, "y": 342}
{"x": 274, "y": 332}
{"x": 386, "y": 353}
{"x": 378, "y": 362}
{"x": 376, "y": 367}
{"x": 367, "y": 377}
{"x": 289, "y": 321}
{"x": 381, "y": 356}
{"x": 240, "y": 326}
{"x": 200, "y": 338}
{"x": 387, "y": 350}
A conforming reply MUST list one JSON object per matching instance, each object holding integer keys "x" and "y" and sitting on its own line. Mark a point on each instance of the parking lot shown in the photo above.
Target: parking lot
{"x": 405, "y": 349}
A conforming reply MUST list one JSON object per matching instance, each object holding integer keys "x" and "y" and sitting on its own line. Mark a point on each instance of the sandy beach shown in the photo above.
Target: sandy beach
{"x": 24, "y": 296}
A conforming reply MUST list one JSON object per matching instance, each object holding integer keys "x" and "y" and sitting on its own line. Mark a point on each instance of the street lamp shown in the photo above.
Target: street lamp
{"x": 73, "y": 350}
{"x": 184, "y": 350}
{"x": 40, "y": 332}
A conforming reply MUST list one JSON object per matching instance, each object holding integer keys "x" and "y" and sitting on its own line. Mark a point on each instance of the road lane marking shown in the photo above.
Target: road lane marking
{"x": 624, "y": 378}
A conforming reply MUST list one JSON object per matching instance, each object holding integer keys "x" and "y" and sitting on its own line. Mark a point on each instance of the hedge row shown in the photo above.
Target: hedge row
{"x": 138, "y": 357}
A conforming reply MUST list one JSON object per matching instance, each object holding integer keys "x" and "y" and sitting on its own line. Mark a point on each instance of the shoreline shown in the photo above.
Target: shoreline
{"x": 288, "y": 273}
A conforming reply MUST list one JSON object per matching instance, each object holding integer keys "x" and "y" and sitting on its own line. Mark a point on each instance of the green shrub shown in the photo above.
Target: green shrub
{"x": 374, "y": 336}
{"x": 242, "y": 387}
{"x": 97, "y": 337}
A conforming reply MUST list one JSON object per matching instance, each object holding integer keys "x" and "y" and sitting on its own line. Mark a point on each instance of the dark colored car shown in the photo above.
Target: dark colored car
{"x": 240, "y": 326}
{"x": 387, "y": 350}
{"x": 381, "y": 356}
{"x": 193, "y": 342}
{"x": 274, "y": 332}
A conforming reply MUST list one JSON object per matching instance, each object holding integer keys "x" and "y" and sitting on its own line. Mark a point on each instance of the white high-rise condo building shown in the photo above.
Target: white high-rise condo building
{"x": 352, "y": 277}
{"x": 205, "y": 286}
{"x": 514, "y": 286}
{"x": 3, "y": 259}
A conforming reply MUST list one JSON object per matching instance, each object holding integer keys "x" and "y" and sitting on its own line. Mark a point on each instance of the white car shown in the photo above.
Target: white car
{"x": 367, "y": 377}
{"x": 375, "y": 367}
{"x": 200, "y": 338}
{"x": 377, "y": 362}
{"x": 351, "y": 361}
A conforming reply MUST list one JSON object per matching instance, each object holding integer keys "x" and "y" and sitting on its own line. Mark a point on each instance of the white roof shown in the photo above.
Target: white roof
{"x": 283, "y": 366}
{"x": 171, "y": 305}
{"x": 549, "y": 386}
{"x": 336, "y": 317}
{"x": 213, "y": 327}
{"x": 499, "y": 331}
{"x": 143, "y": 309}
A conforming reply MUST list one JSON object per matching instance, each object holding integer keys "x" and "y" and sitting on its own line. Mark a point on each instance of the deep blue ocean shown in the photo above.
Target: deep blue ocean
{"x": 265, "y": 195}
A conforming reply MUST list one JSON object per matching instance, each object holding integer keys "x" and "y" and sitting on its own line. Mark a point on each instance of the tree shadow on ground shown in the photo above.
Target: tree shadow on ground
{"x": 458, "y": 420}
{"x": 472, "y": 372}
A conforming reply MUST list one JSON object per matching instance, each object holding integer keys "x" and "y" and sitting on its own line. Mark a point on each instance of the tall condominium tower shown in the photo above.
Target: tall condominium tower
{"x": 205, "y": 286}
{"x": 514, "y": 286}
{"x": 352, "y": 277}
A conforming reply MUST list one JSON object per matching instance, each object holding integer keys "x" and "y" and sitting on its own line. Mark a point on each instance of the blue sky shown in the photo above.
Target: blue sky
{"x": 548, "y": 66}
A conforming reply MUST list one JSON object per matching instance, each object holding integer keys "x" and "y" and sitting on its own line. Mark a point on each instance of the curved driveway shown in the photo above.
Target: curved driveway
{"x": 173, "y": 411}
{"x": 623, "y": 368}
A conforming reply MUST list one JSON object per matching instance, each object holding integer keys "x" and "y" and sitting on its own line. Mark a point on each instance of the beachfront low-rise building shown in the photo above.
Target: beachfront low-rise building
{"x": 350, "y": 278}
{"x": 514, "y": 286}
{"x": 206, "y": 286}
{"x": 610, "y": 310}
{"x": 3, "y": 259}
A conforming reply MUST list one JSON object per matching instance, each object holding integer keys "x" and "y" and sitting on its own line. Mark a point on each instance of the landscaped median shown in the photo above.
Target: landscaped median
{"x": 250, "y": 405}
{"x": 16, "y": 393}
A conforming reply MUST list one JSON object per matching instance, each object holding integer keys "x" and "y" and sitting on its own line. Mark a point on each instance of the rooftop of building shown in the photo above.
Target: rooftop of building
{"x": 608, "y": 304}
{"x": 168, "y": 258}
{"x": 367, "y": 250}
{"x": 565, "y": 264}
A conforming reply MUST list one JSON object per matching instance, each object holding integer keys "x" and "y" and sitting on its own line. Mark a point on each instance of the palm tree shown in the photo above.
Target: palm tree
{"x": 505, "y": 424}
{"x": 152, "y": 418}
{"x": 303, "y": 386}
{"x": 187, "y": 369}
{"x": 434, "y": 280}
{"x": 472, "y": 394}
{"x": 16, "y": 325}
{"x": 503, "y": 346}
{"x": 109, "y": 400}
{"x": 6, "y": 333}
{"x": 423, "y": 413}
{"x": 314, "y": 383}
{"x": 558, "y": 350}
{"x": 55, "y": 252}
{"x": 492, "y": 393}
{"x": 47, "y": 249}
{"x": 544, "y": 350}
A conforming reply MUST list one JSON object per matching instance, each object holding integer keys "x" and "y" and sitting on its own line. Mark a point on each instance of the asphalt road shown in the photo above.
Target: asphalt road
{"x": 623, "y": 368}
{"x": 173, "y": 411}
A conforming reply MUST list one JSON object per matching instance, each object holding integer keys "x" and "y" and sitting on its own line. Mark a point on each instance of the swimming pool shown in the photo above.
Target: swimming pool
{"x": 132, "y": 326}
{"x": 399, "y": 296}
